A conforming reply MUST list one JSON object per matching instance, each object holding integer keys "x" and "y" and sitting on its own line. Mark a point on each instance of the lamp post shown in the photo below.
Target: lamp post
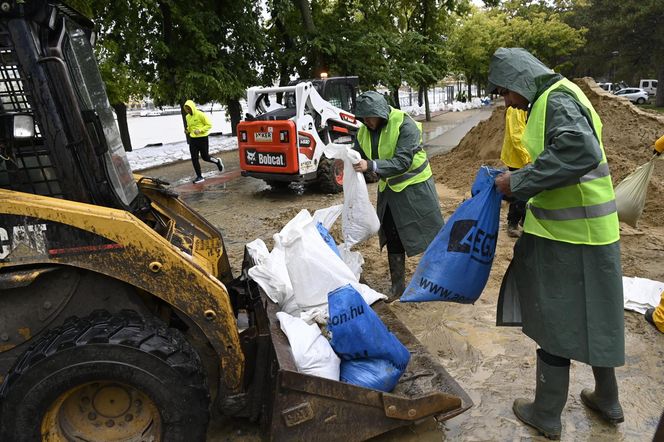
{"x": 614, "y": 56}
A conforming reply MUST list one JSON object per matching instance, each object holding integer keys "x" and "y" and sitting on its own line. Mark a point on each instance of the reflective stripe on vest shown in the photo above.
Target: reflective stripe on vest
{"x": 583, "y": 210}
{"x": 419, "y": 169}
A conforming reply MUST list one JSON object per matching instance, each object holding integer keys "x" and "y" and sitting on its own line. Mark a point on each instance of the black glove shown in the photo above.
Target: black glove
{"x": 656, "y": 152}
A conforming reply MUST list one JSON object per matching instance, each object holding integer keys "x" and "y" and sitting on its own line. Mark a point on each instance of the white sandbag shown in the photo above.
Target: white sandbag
{"x": 314, "y": 269}
{"x": 631, "y": 193}
{"x": 353, "y": 259}
{"x": 360, "y": 220}
{"x": 328, "y": 216}
{"x": 272, "y": 276}
{"x": 313, "y": 353}
{"x": 640, "y": 294}
{"x": 258, "y": 250}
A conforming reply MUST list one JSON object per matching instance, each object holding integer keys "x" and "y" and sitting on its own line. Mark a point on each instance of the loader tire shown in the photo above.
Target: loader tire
{"x": 331, "y": 175}
{"x": 106, "y": 377}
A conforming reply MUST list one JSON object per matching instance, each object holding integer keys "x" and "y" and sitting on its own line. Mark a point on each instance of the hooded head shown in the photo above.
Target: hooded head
{"x": 519, "y": 71}
{"x": 190, "y": 104}
{"x": 372, "y": 104}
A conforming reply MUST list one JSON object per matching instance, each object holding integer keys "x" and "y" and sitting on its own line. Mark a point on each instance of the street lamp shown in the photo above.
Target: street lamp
{"x": 614, "y": 56}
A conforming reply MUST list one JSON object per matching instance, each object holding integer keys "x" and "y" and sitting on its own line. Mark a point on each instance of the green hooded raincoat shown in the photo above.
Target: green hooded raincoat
{"x": 415, "y": 210}
{"x": 568, "y": 297}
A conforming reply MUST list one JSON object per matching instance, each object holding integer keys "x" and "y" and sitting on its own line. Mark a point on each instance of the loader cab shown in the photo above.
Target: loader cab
{"x": 58, "y": 135}
{"x": 338, "y": 91}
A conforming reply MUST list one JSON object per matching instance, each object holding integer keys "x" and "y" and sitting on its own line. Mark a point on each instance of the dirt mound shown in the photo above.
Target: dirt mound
{"x": 628, "y": 134}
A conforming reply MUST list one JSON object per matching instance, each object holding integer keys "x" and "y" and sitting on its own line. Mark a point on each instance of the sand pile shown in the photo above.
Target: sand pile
{"x": 628, "y": 134}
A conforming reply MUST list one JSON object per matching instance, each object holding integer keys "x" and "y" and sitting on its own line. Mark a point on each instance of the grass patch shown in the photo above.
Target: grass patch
{"x": 652, "y": 108}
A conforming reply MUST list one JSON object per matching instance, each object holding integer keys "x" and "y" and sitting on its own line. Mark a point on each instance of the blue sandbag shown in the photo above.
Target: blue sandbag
{"x": 456, "y": 265}
{"x": 363, "y": 342}
{"x": 328, "y": 238}
{"x": 377, "y": 374}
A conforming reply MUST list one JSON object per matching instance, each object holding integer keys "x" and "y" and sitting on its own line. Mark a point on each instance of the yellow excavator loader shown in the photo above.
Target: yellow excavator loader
{"x": 118, "y": 307}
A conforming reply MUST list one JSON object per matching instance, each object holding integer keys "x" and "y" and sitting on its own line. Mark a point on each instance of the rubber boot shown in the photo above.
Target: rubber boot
{"x": 604, "y": 399}
{"x": 550, "y": 397}
{"x": 397, "y": 262}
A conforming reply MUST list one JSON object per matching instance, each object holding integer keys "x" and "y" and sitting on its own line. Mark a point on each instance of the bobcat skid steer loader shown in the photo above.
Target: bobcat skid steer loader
{"x": 284, "y": 144}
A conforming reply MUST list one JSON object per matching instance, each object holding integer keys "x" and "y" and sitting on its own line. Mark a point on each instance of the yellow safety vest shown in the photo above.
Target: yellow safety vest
{"x": 583, "y": 212}
{"x": 419, "y": 170}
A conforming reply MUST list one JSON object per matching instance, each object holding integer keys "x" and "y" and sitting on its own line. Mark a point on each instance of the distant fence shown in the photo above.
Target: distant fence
{"x": 446, "y": 94}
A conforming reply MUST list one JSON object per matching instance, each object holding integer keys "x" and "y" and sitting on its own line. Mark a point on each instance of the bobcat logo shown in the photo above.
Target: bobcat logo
{"x": 251, "y": 156}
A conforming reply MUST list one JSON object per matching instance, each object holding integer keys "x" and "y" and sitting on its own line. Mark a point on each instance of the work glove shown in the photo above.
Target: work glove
{"x": 196, "y": 131}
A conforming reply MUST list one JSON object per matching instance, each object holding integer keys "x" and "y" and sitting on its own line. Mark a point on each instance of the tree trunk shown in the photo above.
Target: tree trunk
{"x": 235, "y": 112}
{"x": 316, "y": 62}
{"x": 395, "y": 97}
{"x": 427, "y": 111}
{"x": 307, "y": 17}
{"x": 121, "y": 113}
{"x": 288, "y": 45}
{"x": 420, "y": 97}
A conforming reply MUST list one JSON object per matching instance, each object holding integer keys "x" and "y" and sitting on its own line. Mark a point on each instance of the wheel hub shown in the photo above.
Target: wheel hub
{"x": 339, "y": 172}
{"x": 106, "y": 411}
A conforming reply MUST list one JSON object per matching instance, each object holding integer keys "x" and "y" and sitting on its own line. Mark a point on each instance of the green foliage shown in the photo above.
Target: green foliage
{"x": 82, "y": 6}
{"x": 535, "y": 26}
{"x": 623, "y": 36}
{"x": 125, "y": 37}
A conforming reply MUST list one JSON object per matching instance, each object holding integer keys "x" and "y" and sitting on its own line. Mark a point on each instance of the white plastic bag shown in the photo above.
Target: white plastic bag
{"x": 631, "y": 193}
{"x": 273, "y": 278}
{"x": 258, "y": 250}
{"x": 640, "y": 294}
{"x": 314, "y": 269}
{"x": 328, "y": 216}
{"x": 313, "y": 353}
{"x": 353, "y": 259}
{"x": 360, "y": 220}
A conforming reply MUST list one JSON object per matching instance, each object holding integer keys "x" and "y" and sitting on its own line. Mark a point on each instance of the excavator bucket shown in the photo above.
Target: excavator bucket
{"x": 306, "y": 407}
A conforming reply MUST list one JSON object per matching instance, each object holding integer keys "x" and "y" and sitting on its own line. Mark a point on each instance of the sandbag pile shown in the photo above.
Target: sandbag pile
{"x": 313, "y": 279}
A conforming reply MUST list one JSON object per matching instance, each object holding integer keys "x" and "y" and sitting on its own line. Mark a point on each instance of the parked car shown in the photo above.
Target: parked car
{"x": 649, "y": 86}
{"x": 634, "y": 94}
{"x": 612, "y": 87}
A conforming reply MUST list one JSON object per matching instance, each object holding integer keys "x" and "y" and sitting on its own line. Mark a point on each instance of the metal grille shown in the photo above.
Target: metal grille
{"x": 25, "y": 164}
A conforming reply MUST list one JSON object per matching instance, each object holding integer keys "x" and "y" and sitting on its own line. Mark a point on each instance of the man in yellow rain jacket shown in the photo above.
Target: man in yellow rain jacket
{"x": 514, "y": 156}
{"x": 198, "y": 127}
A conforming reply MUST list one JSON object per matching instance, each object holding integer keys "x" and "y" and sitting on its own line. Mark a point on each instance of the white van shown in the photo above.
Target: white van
{"x": 649, "y": 86}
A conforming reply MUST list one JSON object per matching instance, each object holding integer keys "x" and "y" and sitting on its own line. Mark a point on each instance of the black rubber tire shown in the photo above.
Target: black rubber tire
{"x": 640, "y": 101}
{"x": 124, "y": 348}
{"x": 327, "y": 177}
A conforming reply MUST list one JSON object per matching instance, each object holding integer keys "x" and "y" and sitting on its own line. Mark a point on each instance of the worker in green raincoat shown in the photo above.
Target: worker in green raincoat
{"x": 564, "y": 285}
{"x": 390, "y": 143}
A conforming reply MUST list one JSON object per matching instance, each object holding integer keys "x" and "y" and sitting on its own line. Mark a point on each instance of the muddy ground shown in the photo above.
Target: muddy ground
{"x": 494, "y": 365}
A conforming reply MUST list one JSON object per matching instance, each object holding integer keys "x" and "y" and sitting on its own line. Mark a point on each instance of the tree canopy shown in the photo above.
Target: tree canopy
{"x": 211, "y": 50}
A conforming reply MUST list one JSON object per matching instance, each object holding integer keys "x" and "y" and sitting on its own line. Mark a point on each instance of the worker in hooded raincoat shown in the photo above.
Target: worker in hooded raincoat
{"x": 197, "y": 130}
{"x": 390, "y": 143}
{"x": 564, "y": 285}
